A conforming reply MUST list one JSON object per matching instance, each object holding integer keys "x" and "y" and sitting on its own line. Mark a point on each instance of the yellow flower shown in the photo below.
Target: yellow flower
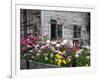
{"x": 55, "y": 50}
{"x": 59, "y": 62}
{"x": 64, "y": 52}
{"x": 68, "y": 59}
{"x": 58, "y": 56}
{"x": 64, "y": 61}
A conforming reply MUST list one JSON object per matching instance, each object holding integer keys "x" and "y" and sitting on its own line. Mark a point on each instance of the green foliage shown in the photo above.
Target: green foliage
{"x": 84, "y": 58}
{"x": 47, "y": 56}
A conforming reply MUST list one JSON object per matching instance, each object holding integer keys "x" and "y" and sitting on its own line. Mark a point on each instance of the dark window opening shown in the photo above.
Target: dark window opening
{"x": 59, "y": 31}
{"x": 53, "y": 31}
{"x": 56, "y": 30}
{"x": 76, "y": 31}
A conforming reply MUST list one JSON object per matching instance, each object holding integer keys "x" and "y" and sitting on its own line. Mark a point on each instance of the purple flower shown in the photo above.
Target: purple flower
{"x": 64, "y": 57}
{"x": 68, "y": 52}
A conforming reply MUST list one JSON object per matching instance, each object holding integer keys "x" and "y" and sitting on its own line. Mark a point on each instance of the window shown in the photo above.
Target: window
{"x": 53, "y": 32}
{"x": 56, "y": 30}
{"x": 59, "y": 31}
{"x": 76, "y": 31}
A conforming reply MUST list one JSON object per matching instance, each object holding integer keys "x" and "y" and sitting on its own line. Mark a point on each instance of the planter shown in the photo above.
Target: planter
{"x": 23, "y": 64}
{"x": 36, "y": 65}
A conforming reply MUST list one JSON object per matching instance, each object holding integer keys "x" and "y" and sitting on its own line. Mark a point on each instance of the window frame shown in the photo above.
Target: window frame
{"x": 77, "y": 31}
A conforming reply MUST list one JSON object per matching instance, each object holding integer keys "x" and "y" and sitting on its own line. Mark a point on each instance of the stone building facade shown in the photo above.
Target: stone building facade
{"x": 57, "y": 25}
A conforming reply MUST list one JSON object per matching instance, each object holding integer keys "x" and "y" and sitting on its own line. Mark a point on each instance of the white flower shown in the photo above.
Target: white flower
{"x": 29, "y": 46}
{"x": 71, "y": 43}
{"x": 57, "y": 45}
{"x": 58, "y": 51}
{"x": 43, "y": 42}
{"x": 88, "y": 57}
{"x": 52, "y": 48}
{"x": 48, "y": 41}
{"x": 38, "y": 54}
{"x": 45, "y": 54}
{"x": 51, "y": 55}
{"x": 88, "y": 47}
{"x": 79, "y": 51}
{"x": 64, "y": 42}
{"x": 30, "y": 50}
{"x": 47, "y": 45}
{"x": 54, "y": 42}
{"x": 46, "y": 58}
{"x": 77, "y": 55}
{"x": 32, "y": 57}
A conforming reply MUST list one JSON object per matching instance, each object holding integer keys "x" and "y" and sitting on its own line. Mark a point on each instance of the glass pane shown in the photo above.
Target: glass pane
{"x": 75, "y": 34}
{"x": 59, "y": 31}
{"x": 79, "y": 29}
{"x": 79, "y": 34}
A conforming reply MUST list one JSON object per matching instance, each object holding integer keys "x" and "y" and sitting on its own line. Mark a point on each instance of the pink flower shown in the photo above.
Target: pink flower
{"x": 29, "y": 41}
{"x": 42, "y": 47}
{"x": 23, "y": 41}
{"x": 33, "y": 45}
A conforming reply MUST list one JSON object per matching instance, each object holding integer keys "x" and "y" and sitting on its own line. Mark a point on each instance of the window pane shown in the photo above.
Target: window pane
{"x": 79, "y": 29}
{"x": 75, "y": 34}
{"x": 79, "y": 34}
{"x": 53, "y": 29}
{"x": 59, "y": 31}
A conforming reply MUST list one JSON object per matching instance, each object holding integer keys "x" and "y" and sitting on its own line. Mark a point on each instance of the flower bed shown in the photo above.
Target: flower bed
{"x": 57, "y": 53}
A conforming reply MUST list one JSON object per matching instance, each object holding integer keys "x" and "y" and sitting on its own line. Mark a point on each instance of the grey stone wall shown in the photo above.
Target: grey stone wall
{"x": 39, "y": 20}
{"x": 67, "y": 19}
{"x": 33, "y": 21}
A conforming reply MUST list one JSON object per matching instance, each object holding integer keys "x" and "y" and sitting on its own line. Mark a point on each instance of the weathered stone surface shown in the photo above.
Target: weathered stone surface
{"x": 66, "y": 19}
{"x": 36, "y": 65}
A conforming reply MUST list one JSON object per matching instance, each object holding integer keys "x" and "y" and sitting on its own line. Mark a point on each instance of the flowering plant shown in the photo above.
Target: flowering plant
{"x": 59, "y": 54}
